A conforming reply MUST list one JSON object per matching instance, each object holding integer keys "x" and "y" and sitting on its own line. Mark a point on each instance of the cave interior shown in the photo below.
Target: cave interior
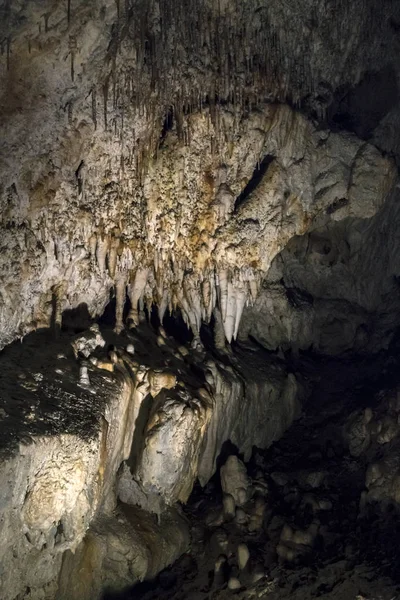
{"x": 199, "y": 299}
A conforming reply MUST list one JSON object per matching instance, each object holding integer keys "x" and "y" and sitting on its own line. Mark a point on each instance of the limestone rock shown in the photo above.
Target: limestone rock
{"x": 172, "y": 442}
{"x": 234, "y": 584}
{"x": 85, "y": 344}
{"x": 358, "y": 432}
{"x": 228, "y": 506}
{"x": 274, "y": 396}
{"x": 120, "y": 550}
{"x": 235, "y": 481}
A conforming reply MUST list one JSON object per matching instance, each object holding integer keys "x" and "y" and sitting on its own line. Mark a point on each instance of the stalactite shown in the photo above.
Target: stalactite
{"x": 92, "y": 249}
{"x": 68, "y": 11}
{"x": 105, "y": 101}
{"x": 113, "y": 255}
{"x": 120, "y": 298}
{"x": 94, "y": 107}
{"x": 219, "y": 334}
{"x": 8, "y": 44}
{"x": 101, "y": 251}
{"x": 135, "y": 293}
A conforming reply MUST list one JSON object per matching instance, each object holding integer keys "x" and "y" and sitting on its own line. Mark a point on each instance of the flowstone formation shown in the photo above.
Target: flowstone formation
{"x": 79, "y": 457}
{"x": 222, "y": 177}
{"x": 139, "y": 154}
{"x": 315, "y": 515}
{"x": 194, "y": 235}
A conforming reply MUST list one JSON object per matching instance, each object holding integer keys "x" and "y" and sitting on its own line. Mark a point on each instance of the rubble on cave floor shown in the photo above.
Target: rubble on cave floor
{"x": 302, "y": 519}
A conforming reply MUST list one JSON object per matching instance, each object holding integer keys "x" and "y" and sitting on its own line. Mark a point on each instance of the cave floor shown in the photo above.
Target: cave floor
{"x": 352, "y": 557}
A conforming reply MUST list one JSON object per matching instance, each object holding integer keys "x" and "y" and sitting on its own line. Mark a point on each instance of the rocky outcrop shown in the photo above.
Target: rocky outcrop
{"x": 252, "y": 409}
{"x": 188, "y": 425}
{"x": 334, "y": 289}
{"x": 120, "y": 550}
{"x": 53, "y": 484}
{"x": 143, "y": 426}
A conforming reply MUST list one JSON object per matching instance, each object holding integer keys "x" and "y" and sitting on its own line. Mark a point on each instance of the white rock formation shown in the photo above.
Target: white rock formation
{"x": 234, "y": 480}
{"x": 153, "y": 426}
{"x": 148, "y": 152}
{"x": 184, "y": 255}
{"x": 51, "y": 489}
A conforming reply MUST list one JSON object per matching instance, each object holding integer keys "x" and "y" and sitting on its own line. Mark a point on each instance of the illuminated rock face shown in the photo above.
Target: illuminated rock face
{"x": 134, "y": 134}
{"x": 196, "y": 234}
{"x": 142, "y": 432}
{"x": 216, "y": 158}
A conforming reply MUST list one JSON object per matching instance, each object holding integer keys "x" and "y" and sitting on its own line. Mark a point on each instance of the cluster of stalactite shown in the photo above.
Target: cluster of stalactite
{"x": 173, "y": 57}
{"x": 191, "y": 54}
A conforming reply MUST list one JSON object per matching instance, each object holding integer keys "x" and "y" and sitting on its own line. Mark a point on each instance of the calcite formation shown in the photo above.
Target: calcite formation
{"x": 94, "y": 200}
{"x": 223, "y": 163}
{"x": 143, "y": 432}
{"x": 184, "y": 241}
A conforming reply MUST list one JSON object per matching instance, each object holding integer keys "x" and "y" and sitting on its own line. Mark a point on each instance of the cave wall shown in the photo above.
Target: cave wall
{"x": 220, "y": 159}
{"x": 128, "y": 124}
{"x": 334, "y": 289}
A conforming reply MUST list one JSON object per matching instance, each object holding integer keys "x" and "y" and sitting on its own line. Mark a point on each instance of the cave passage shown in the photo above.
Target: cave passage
{"x": 199, "y": 300}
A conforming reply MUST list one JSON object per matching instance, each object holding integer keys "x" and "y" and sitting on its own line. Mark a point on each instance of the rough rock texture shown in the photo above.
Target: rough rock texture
{"x": 335, "y": 288}
{"x": 187, "y": 426}
{"x": 234, "y": 480}
{"x": 53, "y": 484}
{"x": 121, "y": 549}
{"x": 150, "y": 414}
{"x": 254, "y": 409}
{"x": 113, "y": 177}
{"x": 314, "y": 539}
{"x": 224, "y": 159}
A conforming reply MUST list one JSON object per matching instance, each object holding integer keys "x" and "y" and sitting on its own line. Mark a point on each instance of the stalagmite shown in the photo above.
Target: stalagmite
{"x": 243, "y": 557}
{"x": 220, "y": 571}
{"x": 84, "y": 376}
{"x": 234, "y": 584}
{"x": 229, "y": 506}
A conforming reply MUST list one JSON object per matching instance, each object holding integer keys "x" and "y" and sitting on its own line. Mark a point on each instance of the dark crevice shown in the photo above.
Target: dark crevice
{"x": 167, "y": 126}
{"x": 254, "y": 181}
{"x": 176, "y": 327}
{"x": 360, "y": 109}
